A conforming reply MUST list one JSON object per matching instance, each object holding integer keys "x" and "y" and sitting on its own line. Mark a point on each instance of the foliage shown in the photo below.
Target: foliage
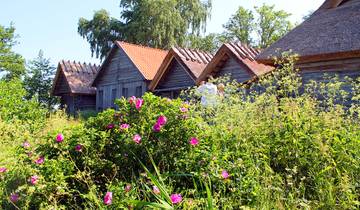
{"x": 208, "y": 43}
{"x": 11, "y": 63}
{"x": 273, "y": 146}
{"x": 155, "y": 23}
{"x": 38, "y": 81}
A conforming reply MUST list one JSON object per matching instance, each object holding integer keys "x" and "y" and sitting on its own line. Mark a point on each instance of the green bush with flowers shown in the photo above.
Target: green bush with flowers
{"x": 274, "y": 147}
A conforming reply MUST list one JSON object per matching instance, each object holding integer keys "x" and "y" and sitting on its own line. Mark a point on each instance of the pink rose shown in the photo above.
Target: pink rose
{"x": 225, "y": 174}
{"x": 184, "y": 109}
{"x": 194, "y": 141}
{"x": 157, "y": 127}
{"x": 3, "y": 170}
{"x": 110, "y": 126}
{"x": 26, "y": 144}
{"x": 175, "y": 198}
{"x": 14, "y": 197}
{"x": 34, "y": 179}
{"x": 59, "y": 138}
{"x": 137, "y": 138}
{"x": 139, "y": 103}
{"x": 124, "y": 126}
{"x": 40, "y": 160}
{"x": 108, "y": 198}
{"x": 161, "y": 120}
{"x": 127, "y": 188}
{"x": 78, "y": 147}
{"x": 132, "y": 99}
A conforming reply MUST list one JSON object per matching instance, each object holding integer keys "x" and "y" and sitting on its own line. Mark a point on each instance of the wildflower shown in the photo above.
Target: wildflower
{"x": 40, "y": 160}
{"x": 194, "y": 141}
{"x": 108, "y": 198}
{"x": 110, "y": 126}
{"x": 137, "y": 138}
{"x": 161, "y": 120}
{"x": 59, "y": 138}
{"x": 14, "y": 197}
{"x": 26, "y": 144}
{"x": 124, "y": 126}
{"x": 132, "y": 99}
{"x": 225, "y": 174}
{"x": 157, "y": 127}
{"x": 78, "y": 147}
{"x": 3, "y": 170}
{"x": 184, "y": 109}
{"x": 156, "y": 190}
{"x": 175, "y": 198}
{"x": 127, "y": 188}
{"x": 34, "y": 179}
{"x": 139, "y": 103}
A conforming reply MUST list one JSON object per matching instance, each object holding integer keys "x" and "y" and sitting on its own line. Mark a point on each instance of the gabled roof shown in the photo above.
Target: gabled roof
{"x": 242, "y": 53}
{"x": 146, "y": 59}
{"x": 331, "y": 32}
{"x": 193, "y": 61}
{"x": 78, "y": 77}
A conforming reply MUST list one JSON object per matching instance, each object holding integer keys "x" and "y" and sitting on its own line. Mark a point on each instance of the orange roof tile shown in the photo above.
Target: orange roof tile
{"x": 146, "y": 59}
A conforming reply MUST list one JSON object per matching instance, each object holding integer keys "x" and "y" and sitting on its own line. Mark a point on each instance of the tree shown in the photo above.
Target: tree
{"x": 272, "y": 25}
{"x": 240, "y": 26}
{"x": 11, "y": 63}
{"x": 209, "y": 43}
{"x": 155, "y": 23}
{"x": 38, "y": 81}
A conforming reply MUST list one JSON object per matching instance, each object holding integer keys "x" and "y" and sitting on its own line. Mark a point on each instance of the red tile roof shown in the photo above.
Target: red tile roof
{"x": 243, "y": 53}
{"x": 78, "y": 77}
{"x": 146, "y": 59}
{"x": 195, "y": 62}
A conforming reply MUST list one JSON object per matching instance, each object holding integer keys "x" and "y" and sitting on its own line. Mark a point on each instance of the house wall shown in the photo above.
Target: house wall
{"x": 236, "y": 71}
{"x": 61, "y": 87}
{"x": 76, "y": 103}
{"x": 119, "y": 78}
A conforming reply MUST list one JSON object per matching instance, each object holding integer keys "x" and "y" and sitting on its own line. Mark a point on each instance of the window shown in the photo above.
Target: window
{"x": 100, "y": 100}
{"x": 125, "y": 92}
{"x": 113, "y": 97}
{"x": 138, "y": 91}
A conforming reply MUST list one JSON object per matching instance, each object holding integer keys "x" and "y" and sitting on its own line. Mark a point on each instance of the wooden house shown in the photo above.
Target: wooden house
{"x": 236, "y": 60}
{"x": 72, "y": 83}
{"x": 179, "y": 70}
{"x": 327, "y": 42}
{"x": 126, "y": 71}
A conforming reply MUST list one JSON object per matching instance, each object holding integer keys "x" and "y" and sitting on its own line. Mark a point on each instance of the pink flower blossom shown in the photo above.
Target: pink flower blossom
{"x": 124, "y": 126}
{"x": 3, "y": 170}
{"x": 34, "y": 179}
{"x": 137, "y": 138}
{"x": 175, "y": 198}
{"x": 127, "y": 188}
{"x": 110, "y": 126}
{"x": 132, "y": 99}
{"x": 139, "y": 103}
{"x": 194, "y": 141}
{"x": 184, "y": 109}
{"x": 26, "y": 144}
{"x": 156, "y": 190}
{"x": 157, "y": 127}
{"x": 40, "y": 160}
{"x": 225, "y": 174}
{"x": 161, "y": 120}
{"x": 14, "y": 197}
{"x": 78, "y": 147}
{"x": 108, "y": 198}
{"x": 59, "y": 138}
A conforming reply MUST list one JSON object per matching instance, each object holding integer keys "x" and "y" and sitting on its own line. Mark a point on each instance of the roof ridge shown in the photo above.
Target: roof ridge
{"x": 194, "y": 55}
{"x": 139, "y": 45}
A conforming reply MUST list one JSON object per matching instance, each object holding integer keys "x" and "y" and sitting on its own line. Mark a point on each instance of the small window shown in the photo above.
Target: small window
{"x": 125, "y": 92}
{"x": 113, "y": 97}
{"x": 100, "y": 100}
{"x": 138, "y": 92}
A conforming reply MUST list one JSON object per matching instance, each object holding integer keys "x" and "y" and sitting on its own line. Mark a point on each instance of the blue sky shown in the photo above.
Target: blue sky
{"x": 51, "y": 25}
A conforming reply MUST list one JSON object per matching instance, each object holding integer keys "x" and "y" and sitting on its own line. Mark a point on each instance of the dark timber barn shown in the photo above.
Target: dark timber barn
{"x": 179, "y": 70}
{"x": 72, "y": 83}
{"x": 237, "y": 61}
{"x": 327, "y": 42}
{"x": 126, "y": 71}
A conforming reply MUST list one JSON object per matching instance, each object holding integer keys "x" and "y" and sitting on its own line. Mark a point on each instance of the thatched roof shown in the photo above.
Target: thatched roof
{"x": 332, "y": 32}
{"x": 242, "y": 53}
{"x": 74, "y": 78}
{"x": 193, "y": 61}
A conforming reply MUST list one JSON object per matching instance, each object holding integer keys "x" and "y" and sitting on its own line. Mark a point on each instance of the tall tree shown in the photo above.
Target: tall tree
{"x": 240, "y": 26}
{"x": 209, "y": 43}
{"x": 272, "y": 24}
{"x": 38, "y": 81}
{"x": 11, "y": 63}
{"x": 156, "y": 23}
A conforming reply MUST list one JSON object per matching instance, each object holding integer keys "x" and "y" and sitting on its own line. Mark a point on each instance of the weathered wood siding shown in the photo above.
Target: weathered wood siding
{"x": 176, "y": 77}
{"x": 120, "y": 78}
{"x": 236, "y": 70}
{"x": 76, "y": 103}
{"x": 61, "y": 87}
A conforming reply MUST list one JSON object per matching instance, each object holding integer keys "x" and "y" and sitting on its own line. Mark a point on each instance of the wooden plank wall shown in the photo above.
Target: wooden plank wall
{"x": 176, "y": 76}
{"x": 120, "y": 73}
{"x": 61, "y": 87}
{"x": 232, "y": 67}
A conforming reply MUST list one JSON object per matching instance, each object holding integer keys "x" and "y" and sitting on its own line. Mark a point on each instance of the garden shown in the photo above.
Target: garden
{"x": 270, "y": 145}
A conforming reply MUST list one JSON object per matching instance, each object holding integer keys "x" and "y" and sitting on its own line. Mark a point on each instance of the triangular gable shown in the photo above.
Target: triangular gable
{"x": 244, "y": 55}
{"x": 60, "y": 85}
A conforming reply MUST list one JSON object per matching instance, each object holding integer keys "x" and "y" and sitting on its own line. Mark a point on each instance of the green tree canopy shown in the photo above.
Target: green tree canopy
{"x": 38, "y": 81}
{"x": 11, "y": 63}
{"x": 155, "y": 23}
